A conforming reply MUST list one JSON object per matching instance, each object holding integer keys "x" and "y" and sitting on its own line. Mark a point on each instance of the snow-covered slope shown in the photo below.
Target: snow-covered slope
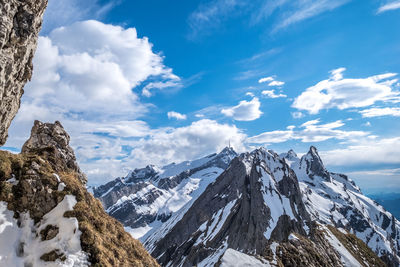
{"x": 333, "y": 198}
{"x": 20, "y": 246}
{"x": 147, "y": 198}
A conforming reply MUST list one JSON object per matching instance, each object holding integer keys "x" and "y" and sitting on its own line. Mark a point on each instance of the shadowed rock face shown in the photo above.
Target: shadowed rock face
{"x": 20, "y": 23}
{"x": 52, "y": 141}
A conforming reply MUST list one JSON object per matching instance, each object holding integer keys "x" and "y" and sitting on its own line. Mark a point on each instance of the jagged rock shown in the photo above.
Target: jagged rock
{"x": 51, "y": 141}
{"x": 20, "y": 23}
{"x": 63, "y": 223}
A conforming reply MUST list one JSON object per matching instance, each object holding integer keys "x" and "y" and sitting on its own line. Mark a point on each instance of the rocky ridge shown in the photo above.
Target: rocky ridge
{"x": 20, "y": 23}
{"x": 48, "y": 216}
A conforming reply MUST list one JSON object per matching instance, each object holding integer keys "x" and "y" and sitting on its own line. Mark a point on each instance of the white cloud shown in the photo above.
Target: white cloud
{"x": 176, "y": 115}
{"x": 379, "y": 112}
{"x": 337, "y": 92}
{"x": 365, "y": 153}
{"x": 271, "y": 94}
{"x": 271, "y": 81}
{"x": 297, "y": 115}
{"x": 250, "y": 94}
{"x": 389, "y": 6}
{"x": 244, "y": 111}
{"x": 266, "y": 79}
{"x": 310, "y": 131}
{"x": 89, "y": 85}
{"x": 165, "y": 145}
{"x": 276, "y": 83}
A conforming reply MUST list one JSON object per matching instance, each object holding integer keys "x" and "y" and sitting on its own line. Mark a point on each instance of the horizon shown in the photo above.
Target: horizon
{"x": 143, "y": 83}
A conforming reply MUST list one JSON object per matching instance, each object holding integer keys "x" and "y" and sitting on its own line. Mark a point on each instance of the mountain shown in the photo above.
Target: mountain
{"x": 333, "y": 198}
{"x": 146, "y": 198}
{"x": 19, "y": 29}
{"x": 263, "y": 209}
{"x": 48, "y": 218}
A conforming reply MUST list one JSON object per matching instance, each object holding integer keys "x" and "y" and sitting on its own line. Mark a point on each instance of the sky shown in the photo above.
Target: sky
{"x": 155, "y": 82}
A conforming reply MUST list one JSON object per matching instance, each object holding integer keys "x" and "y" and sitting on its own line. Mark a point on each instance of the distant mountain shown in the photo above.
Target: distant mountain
{"x": 258, "y": 208}
{"x": 148, "y": 197}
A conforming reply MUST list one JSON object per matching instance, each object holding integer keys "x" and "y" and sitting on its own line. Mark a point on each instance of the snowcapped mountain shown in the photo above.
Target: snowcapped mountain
{"x": 333, "y": 198}
{"x": 258, "y": 208}
{"x": 146, "y": 198}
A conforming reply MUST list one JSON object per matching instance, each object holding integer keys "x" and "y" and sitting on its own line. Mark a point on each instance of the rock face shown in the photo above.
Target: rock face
{"x": 20, "y": 23}
{"x": 47, "y": 215}
{"x": 53, "y": 141}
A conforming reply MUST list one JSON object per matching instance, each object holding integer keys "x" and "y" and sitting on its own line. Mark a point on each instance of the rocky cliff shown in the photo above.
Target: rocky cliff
{"x": 48, "y": 218}
{"x": 20, "y": 23}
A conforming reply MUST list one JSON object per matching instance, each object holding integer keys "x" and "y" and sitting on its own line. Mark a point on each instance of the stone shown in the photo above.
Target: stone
{"x": 20, "y": 23}
{"x": 51, "y": 141}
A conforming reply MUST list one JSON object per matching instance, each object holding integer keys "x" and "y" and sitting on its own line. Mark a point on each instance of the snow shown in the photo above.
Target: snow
{"x": 347, "y": 259}
{"x": 278, "y": 204}
{"x": 211, "y": 260}
{"x": 293, "y": 237}
{"x": 61, "y": 186}
{"x": 234, "y": 258}
{"x": 138, "y": 232}
{"x": 67, "y": 241}
{"x": 339, "y": 200}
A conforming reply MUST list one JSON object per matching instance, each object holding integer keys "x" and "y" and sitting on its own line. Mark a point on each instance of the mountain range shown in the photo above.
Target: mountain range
{"x": 257, "y": 208}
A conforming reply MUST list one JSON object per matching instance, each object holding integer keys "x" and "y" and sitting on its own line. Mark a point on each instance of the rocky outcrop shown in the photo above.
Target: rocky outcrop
{"x": 51, "y": 141}
{"x": 50, "y": 216}
{"x": 20, "y": 23}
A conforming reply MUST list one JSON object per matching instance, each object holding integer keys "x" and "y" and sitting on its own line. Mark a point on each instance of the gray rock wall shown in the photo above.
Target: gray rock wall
{"x": 20, "y": 23}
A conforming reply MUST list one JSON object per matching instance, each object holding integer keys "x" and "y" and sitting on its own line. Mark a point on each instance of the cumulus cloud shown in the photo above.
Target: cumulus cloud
{"x": 310, "y": 131}
{"x": 165, "y": 145}
{"x": 271, "y": 81}
{"x": 379, "y": 112}
{"x": 176, "y": 115}
{"x": 271, "y": 94}
{"x": 244, "y": 111}
{"x": 90, "y": 84}
{"x": 344, "y": 93}
{"x": 389, "y": 6}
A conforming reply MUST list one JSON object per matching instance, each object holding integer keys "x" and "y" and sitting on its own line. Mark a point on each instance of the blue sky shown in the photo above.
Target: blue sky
{"x": 139, "y": 82}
